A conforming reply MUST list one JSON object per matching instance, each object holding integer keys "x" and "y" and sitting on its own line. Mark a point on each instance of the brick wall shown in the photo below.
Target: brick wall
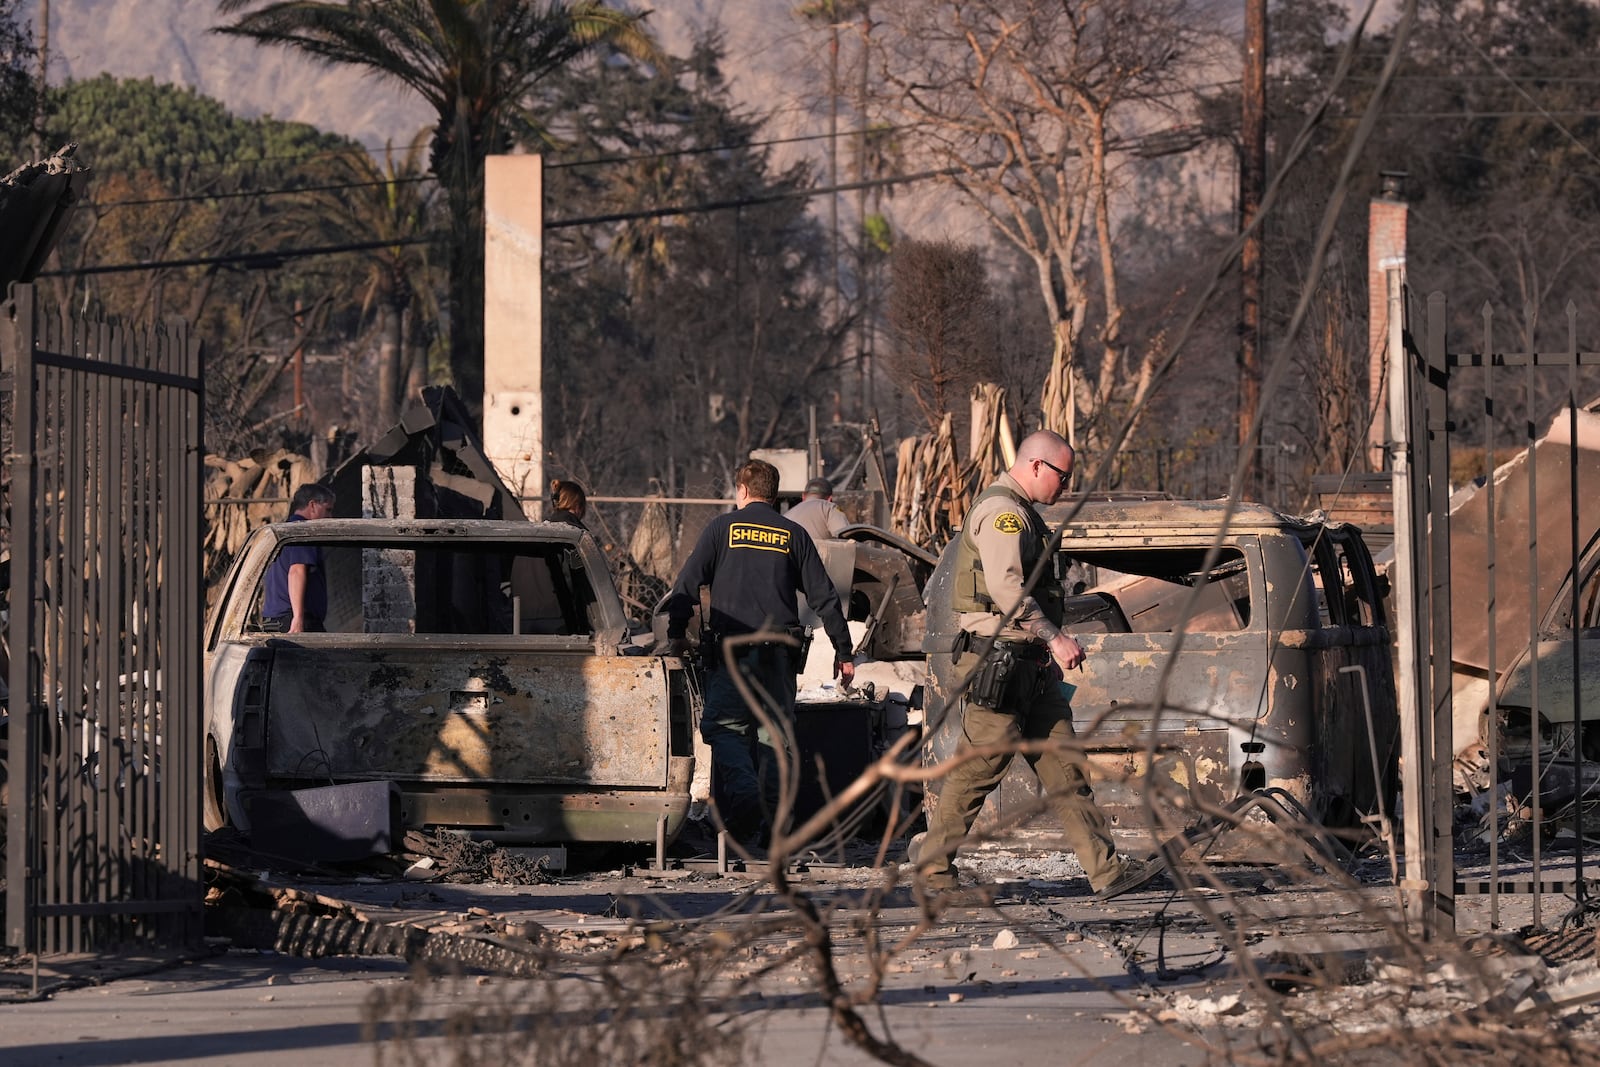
{"x": 1386, "y": 250}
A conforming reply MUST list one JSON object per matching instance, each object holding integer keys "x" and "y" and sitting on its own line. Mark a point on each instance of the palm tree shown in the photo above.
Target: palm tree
{"x": 477, "y": 64}
{"x": 391, "y": 202}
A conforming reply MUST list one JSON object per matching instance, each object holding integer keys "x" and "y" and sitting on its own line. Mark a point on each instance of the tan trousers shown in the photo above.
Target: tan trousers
{"x": 1064, "y": 777}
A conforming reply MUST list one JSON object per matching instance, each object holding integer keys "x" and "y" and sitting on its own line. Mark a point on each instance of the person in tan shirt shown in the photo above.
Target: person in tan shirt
{"x": 817, "y": 512}
{"x": 1017, "y": 692}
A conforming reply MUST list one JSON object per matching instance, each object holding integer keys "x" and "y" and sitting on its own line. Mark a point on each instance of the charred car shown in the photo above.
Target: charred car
{"x": 486, "y": 668}
{"x": 880, "y": 576}
{"x": 1219, "y": 662}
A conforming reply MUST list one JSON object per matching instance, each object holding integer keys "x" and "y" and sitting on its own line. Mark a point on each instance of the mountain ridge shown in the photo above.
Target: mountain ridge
{"x": 171, "y": 41}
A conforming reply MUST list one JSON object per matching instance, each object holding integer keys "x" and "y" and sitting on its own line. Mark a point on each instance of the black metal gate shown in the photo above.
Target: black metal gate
{"x": 1497, "y": 590}
{"x": 103, "y": 830}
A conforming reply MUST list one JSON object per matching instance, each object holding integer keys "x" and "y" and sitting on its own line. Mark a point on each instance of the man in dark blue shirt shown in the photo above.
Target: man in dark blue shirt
{"x": 296, "y": 595}
{"x": 754, "y": 560}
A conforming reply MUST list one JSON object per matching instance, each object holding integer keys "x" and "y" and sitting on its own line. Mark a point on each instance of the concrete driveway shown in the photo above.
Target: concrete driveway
{"x": 1039, "y": 973}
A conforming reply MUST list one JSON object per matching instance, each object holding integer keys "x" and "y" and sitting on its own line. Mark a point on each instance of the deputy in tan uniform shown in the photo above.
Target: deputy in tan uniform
{"x": 1017, "y": 691}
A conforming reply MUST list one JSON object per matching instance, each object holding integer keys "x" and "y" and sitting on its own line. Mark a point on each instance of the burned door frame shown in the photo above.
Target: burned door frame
{"x": 106, "y": 606}
{"x": 1428, "y": 381}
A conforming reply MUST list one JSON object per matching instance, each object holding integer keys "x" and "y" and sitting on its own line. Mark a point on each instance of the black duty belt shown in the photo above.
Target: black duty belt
{"x": 1024, "y": 650}
{"x": 797, "y": 633}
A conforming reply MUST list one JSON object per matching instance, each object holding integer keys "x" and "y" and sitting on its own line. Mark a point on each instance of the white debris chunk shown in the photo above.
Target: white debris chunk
{"x": 1204, "y": 1011}
{"x": 421, "y": 870}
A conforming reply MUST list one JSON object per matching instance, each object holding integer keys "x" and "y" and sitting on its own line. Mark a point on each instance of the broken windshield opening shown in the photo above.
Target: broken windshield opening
{"x": 1151, "y": 587}
{"x": 479, "y": 589}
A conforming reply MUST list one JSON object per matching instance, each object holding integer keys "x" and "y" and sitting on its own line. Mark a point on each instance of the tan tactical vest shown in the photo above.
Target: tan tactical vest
{"x": 972, "y": 593}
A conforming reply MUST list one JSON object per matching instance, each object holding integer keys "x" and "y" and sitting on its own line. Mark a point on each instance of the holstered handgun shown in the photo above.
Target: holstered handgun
{"x": 802, "y": 653}
{"x": 710, "y": 647}
{"x": 988, "y": 687}
{"x": 1004, "y": 674}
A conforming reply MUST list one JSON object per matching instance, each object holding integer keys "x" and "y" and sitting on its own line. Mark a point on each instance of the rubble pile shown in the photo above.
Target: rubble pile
{"x": 458, "y": 858}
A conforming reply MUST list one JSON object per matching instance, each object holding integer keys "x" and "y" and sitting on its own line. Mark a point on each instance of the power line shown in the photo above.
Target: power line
{"x": 753, "y": 201}
{"x": 1562, "y": 79}
{"x": 275, "y": 257}
{"x": 606, "y": 160}
{"x": 1541, "y": 113}
{"x": 1477, "y": 53}
{"x": 1158, "y": 143}
{"x": 354, "y": 148}
{"x": 1490, "y": 61}
{"x": 727, "y": 147}
{"x": 246, "y": 260}
{"x": 560, "y": 165}
{"x": 188, "y": 197}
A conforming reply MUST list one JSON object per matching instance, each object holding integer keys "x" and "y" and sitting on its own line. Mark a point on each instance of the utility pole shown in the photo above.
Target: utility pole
{"x": 1252, "y": 181}
{"x": 863, "y": 283}
{"x": 828, "y": 12}
{"x": 833, "y": 155}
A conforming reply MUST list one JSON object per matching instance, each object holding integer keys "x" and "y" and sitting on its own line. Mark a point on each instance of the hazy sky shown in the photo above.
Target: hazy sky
{"x": 169, "y": 40}
{"x": 775, "y": 64}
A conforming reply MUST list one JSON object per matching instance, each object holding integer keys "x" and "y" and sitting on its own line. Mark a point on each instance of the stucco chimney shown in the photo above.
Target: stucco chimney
{"x": 1386, "y": 253}
{"x": 513, "y": 283}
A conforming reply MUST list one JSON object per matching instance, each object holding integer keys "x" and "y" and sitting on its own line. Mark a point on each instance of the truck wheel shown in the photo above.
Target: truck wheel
{"x": 214, "y": 807}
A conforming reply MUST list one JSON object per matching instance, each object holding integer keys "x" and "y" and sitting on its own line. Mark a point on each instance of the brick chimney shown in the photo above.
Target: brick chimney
{"x": 1386, "y": 256}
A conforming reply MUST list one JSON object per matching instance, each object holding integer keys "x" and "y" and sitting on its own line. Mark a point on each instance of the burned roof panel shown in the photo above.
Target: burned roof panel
{"x": 35, "y": 200}
{"x": 456, "y": 480}
{"x": 1169, "y": 515}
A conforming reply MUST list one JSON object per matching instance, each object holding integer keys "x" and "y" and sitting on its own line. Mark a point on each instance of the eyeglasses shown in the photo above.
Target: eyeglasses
{"x": 1063, "y": 475}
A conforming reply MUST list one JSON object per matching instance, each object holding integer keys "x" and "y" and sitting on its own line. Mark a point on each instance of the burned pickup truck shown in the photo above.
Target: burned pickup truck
{"x": 1222, "y": 659}
{"x": 485, "y": 668}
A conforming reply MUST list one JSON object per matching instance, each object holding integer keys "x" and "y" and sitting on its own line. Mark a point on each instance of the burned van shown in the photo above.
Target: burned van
{"x": 1226, "y": 653}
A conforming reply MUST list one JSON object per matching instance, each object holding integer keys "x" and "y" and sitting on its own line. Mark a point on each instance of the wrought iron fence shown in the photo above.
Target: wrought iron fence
{"x": 104, "y": 633}
{"x": 1498, "y": 637}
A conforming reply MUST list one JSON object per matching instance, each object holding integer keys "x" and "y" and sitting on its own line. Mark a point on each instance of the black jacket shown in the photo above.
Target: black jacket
{"x": 754, "y": 560}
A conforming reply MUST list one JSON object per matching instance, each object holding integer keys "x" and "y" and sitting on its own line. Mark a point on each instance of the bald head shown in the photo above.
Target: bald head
{"x": 1043, "y": 466}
